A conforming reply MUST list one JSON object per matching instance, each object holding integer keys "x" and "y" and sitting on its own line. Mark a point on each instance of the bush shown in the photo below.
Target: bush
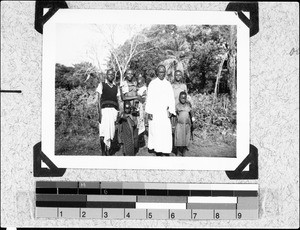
{"x": 214, "y": 120}
{"x": 76, "y": 112}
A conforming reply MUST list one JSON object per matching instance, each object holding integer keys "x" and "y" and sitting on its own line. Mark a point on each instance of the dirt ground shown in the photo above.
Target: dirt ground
{"x": 198, "y": 147}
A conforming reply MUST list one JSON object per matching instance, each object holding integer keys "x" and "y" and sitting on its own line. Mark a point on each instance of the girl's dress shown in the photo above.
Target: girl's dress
{"x": 183, "y": 126}
{"x": 177, "y": 88}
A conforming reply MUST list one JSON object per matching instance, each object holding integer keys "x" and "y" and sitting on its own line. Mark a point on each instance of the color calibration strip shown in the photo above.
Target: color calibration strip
{"x": 136, "y": 200}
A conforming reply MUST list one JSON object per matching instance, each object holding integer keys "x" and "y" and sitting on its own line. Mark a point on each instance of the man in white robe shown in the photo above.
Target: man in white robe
{"x": 160, "y": 105}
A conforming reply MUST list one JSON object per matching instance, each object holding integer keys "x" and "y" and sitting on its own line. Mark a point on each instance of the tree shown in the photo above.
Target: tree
{"x": 219, "y": 76}
{"x": 209, "y": 44}
{"x": 171, "y": 46}
{"x": 83, "y": 74}
{"x": 145, "y": 63}
{"x": 93, "y": 55}
{"x": 231, "y": 64}
{"x": 194, "y": 49}
{"x": 177, "y": 57}
{"x": 121, "y": 55}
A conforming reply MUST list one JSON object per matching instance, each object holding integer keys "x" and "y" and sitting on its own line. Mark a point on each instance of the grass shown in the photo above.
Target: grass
{"x": 217, "y": 145}
{"x": 77, "y": 145}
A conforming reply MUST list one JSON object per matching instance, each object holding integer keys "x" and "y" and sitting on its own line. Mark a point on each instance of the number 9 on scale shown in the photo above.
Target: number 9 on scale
{"x": 239, "y": 215}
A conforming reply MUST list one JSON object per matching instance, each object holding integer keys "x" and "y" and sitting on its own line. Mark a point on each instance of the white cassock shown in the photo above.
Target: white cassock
{"x": 160, "y": 100}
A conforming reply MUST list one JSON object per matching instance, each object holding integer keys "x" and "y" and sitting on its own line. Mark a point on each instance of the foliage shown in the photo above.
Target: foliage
{"x": 76, "y": 114}
{"x": 194, "y": 49}
{"x": 83, "y": 74}
{"x": 76, "y": 111}
{"x": 214, "y": 120}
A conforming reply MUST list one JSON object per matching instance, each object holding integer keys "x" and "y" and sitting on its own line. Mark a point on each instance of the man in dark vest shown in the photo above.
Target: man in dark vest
{"x": 108, "y": 108}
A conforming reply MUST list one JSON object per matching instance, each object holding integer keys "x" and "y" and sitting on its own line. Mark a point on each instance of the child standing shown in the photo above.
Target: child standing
{"x": 184, "y": 124}
{"x": 142, "y": 93}
{"x": 127, "y": 131}
{"x": 178, "y": 85}
{"x": 129, "y": 87}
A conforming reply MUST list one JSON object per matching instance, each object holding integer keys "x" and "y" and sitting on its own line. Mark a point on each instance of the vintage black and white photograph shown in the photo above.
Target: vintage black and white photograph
{"x": 145, "y": 89}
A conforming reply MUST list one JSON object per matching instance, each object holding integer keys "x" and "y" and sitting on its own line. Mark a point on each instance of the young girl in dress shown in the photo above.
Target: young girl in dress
{"x": 178, "y": 86}
{"x": 183, "y": 126}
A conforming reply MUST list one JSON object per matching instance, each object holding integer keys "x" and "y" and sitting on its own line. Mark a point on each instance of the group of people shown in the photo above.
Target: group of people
{"x": 160, "y": 111}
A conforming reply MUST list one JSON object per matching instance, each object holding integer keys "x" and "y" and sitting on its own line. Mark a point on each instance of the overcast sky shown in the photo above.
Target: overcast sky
{"x": 77, "y": 43}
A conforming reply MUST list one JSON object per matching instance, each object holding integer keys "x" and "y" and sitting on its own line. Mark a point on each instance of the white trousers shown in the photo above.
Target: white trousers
{"x": 107, "y": 126}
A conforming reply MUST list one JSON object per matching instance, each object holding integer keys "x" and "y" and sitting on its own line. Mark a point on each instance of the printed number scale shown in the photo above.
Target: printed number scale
{"x": 135, "y": 200}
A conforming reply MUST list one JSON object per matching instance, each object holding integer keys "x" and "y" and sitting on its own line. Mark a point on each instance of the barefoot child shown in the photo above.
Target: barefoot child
{"x": 183, "y": 126}
{"x": 127, "y": 131}
{"x": 142, "y": 92}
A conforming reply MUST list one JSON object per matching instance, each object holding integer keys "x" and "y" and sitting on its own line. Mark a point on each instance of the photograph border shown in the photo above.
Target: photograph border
{"x": 82, "y": 16}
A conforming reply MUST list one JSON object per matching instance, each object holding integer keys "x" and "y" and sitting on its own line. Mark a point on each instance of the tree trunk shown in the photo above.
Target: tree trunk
{"x": 219, "y": 77}
{"x": 232, "y": 79}
{"x": 231, "y": 65}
